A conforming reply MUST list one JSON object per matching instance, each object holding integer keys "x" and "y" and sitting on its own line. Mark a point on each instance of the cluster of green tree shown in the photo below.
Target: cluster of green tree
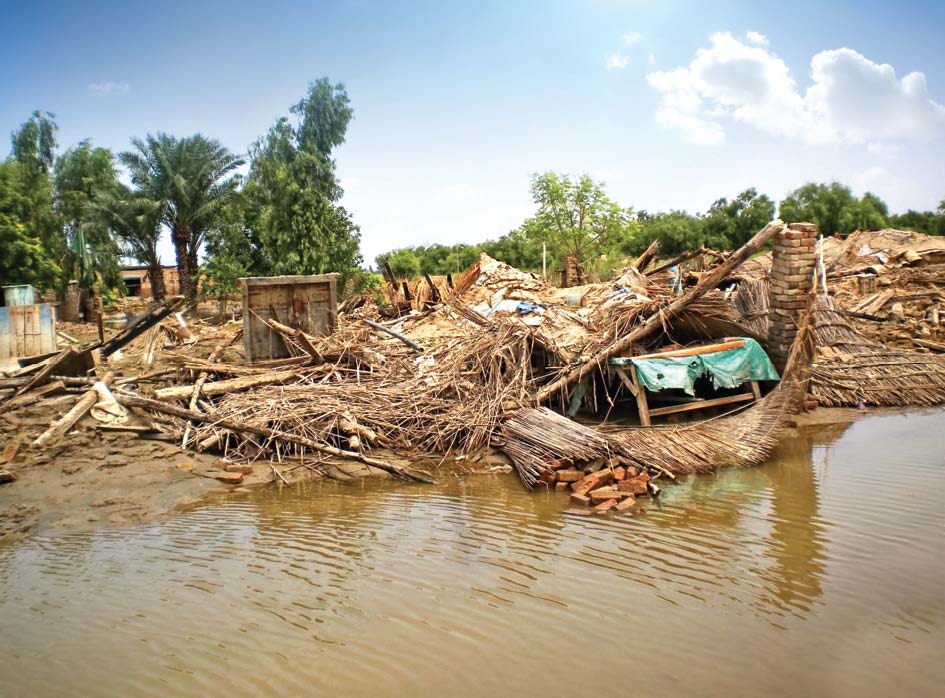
{"x": 71, "y": 217}
{"x": 576, "y": 217}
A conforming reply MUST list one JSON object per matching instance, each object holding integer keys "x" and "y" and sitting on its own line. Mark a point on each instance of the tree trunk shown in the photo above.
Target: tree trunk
{"x": 156, "y": 276}
{"x": 194, "y": 269}
{"x": 181, "y": 235}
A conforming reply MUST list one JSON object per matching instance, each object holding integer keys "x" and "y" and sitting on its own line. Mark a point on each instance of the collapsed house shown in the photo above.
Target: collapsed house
{"x": 560, "y": 381}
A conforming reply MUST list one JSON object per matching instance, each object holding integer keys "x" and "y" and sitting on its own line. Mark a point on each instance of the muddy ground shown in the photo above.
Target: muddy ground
{"x": 118, "y": 478}
{"x": 94, "y": 477}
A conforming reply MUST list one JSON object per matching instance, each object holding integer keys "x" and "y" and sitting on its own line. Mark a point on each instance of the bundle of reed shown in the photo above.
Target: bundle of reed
{"x": 449, "y": 399}
{"x": 741, "y": 439}
{"x": 851, "y": 370}
{"x": 540, "y": 441}
{"x": 751, "y": 301}
{"x": 711, "y": 315}
{"x": 883, "y": 378}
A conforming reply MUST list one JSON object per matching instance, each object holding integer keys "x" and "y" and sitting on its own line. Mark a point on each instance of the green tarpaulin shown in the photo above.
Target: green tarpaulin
{"x": 728, "y": 369}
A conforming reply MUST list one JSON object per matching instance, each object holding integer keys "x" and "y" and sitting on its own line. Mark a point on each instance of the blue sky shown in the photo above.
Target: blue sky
{"x": 671, "y": 104}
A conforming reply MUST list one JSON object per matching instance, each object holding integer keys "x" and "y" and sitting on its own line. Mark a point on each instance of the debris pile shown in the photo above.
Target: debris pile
{"x": 483, "y": 367}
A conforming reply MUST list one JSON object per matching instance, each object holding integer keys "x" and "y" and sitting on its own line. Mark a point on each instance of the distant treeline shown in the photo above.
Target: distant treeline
{"x": 68, "y": 215}
{"x": 576, "y": 217}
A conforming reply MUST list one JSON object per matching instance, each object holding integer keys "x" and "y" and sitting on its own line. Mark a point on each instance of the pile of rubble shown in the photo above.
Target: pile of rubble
{"x": 482, "y": 370}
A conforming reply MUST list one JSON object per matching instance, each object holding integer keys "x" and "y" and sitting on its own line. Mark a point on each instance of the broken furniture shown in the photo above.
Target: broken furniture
{"x": 730, "y": 364}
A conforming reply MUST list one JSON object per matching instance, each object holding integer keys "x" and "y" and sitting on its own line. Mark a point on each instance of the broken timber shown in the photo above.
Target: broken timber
{"x": 657, "y": 320}
{"x": 238, "y": 426}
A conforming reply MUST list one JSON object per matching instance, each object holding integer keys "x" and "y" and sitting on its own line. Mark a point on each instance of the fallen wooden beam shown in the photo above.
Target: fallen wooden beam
{"x": 246, "y": 427}
{"x": 184, "y": 392}
{"x": 142, "y": 325}
{"x": 934, "y": 346}
{"x": 42, "y": 375}
{"x": 59, "y": 428}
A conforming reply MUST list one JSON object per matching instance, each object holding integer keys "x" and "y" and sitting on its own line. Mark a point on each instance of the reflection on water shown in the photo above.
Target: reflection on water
{"x": 820, "y": 573}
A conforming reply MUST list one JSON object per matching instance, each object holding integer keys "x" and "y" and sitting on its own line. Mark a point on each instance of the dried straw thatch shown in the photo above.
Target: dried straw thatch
{"x": 538, "y": 440}
{"x": 851, "y": 370}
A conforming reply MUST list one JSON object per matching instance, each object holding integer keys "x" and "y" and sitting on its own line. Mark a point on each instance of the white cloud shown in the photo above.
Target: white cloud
{"x": 883, "y": 150}
{"x": 695, "y": 129}
{"x": 868, "y": 177}
{"x": 851, "y": 99}
{"x": 110, "y": 88}
{"x": 632, "y": 38}
{"x": 617, "y": 61}
{"x": 756, "y": 38}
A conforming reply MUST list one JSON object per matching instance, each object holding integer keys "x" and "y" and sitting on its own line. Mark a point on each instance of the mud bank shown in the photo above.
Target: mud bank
{"x": 112, "y": 478}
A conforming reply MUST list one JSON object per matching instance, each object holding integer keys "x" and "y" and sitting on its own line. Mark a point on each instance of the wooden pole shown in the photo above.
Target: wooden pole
{"x": 655, "y": 321}
{"x": 59, "y": 428}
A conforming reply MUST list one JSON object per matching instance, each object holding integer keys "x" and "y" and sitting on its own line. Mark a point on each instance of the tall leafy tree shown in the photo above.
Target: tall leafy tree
{"x": 834, "y": 209}
{"x": 33, "y": 149}
{"x": 730, "y": 224}
{"x": 34, "y": 145}
{"x": 83, "y": 173}
{"x": 231, "y": 253}
{"x": 299, "y": 224}
{"x": 676, "y": 231}
{"x": 575, "y": 216}
{"x": 928, "y": 222}
{"x": 137, "y": 223}
{"x": 194, "y": 178}
{"x": 24, "y": 258}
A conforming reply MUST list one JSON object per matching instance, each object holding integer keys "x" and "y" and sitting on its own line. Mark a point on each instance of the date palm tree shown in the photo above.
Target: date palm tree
{"x": 137, "y": 223}
{"x": 193, "y": 178}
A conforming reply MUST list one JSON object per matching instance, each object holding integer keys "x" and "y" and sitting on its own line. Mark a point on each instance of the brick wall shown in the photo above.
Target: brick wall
{"x": 792, "y": 268}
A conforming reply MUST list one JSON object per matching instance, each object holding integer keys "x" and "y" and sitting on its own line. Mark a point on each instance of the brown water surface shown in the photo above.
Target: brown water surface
{"x": 820, "y": 573}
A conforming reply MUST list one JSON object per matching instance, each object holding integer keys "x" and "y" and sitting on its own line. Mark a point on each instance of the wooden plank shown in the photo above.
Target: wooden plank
{"x": 731, "y": 399}
{"x": 642, "y": 406}
{"x": 47, "y": 321}
{"x": 5, "y": 348}
{"x": 693, "y": 351}
{"x": 628, "y": 384}
{"x": 287, "y": 280}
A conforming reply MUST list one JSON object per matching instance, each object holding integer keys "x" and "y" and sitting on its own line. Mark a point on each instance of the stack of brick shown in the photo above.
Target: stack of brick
{"x": 792, "y": 269}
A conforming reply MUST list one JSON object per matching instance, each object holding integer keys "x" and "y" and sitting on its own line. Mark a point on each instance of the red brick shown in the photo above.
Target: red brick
{"x": 586, "y": 484}
{"x": 570, "y": 475}
{"x": 580, "y": 499}
{"x": 605, "y": 493}
{"x": 228, "y": 478}
{"x": 605, "y": 506}
{"x": 626, "y": 503}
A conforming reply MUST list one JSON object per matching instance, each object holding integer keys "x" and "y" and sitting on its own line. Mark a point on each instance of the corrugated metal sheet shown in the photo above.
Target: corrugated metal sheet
{"x": 18, "y": 295}
{"x": 27, "y": 330}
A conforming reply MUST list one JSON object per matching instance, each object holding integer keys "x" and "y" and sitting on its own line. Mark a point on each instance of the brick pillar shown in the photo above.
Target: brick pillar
{"x": 792, "y": 269}
{"x": 69, "y": 310}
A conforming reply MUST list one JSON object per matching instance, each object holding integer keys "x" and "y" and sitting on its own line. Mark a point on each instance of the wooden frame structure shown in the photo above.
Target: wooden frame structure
{"x": 627, "y": 373}
{"x": 632, "y": 384}
{"x": 309, "y": 303}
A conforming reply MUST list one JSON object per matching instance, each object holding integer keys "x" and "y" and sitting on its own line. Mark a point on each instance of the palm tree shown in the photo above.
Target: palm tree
{"x": 193, "y": 178}
{"x": 137, "y": 221}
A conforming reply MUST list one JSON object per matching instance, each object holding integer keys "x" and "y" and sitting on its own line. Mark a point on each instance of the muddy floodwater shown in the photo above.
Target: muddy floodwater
{"x": 820, "y": 573}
